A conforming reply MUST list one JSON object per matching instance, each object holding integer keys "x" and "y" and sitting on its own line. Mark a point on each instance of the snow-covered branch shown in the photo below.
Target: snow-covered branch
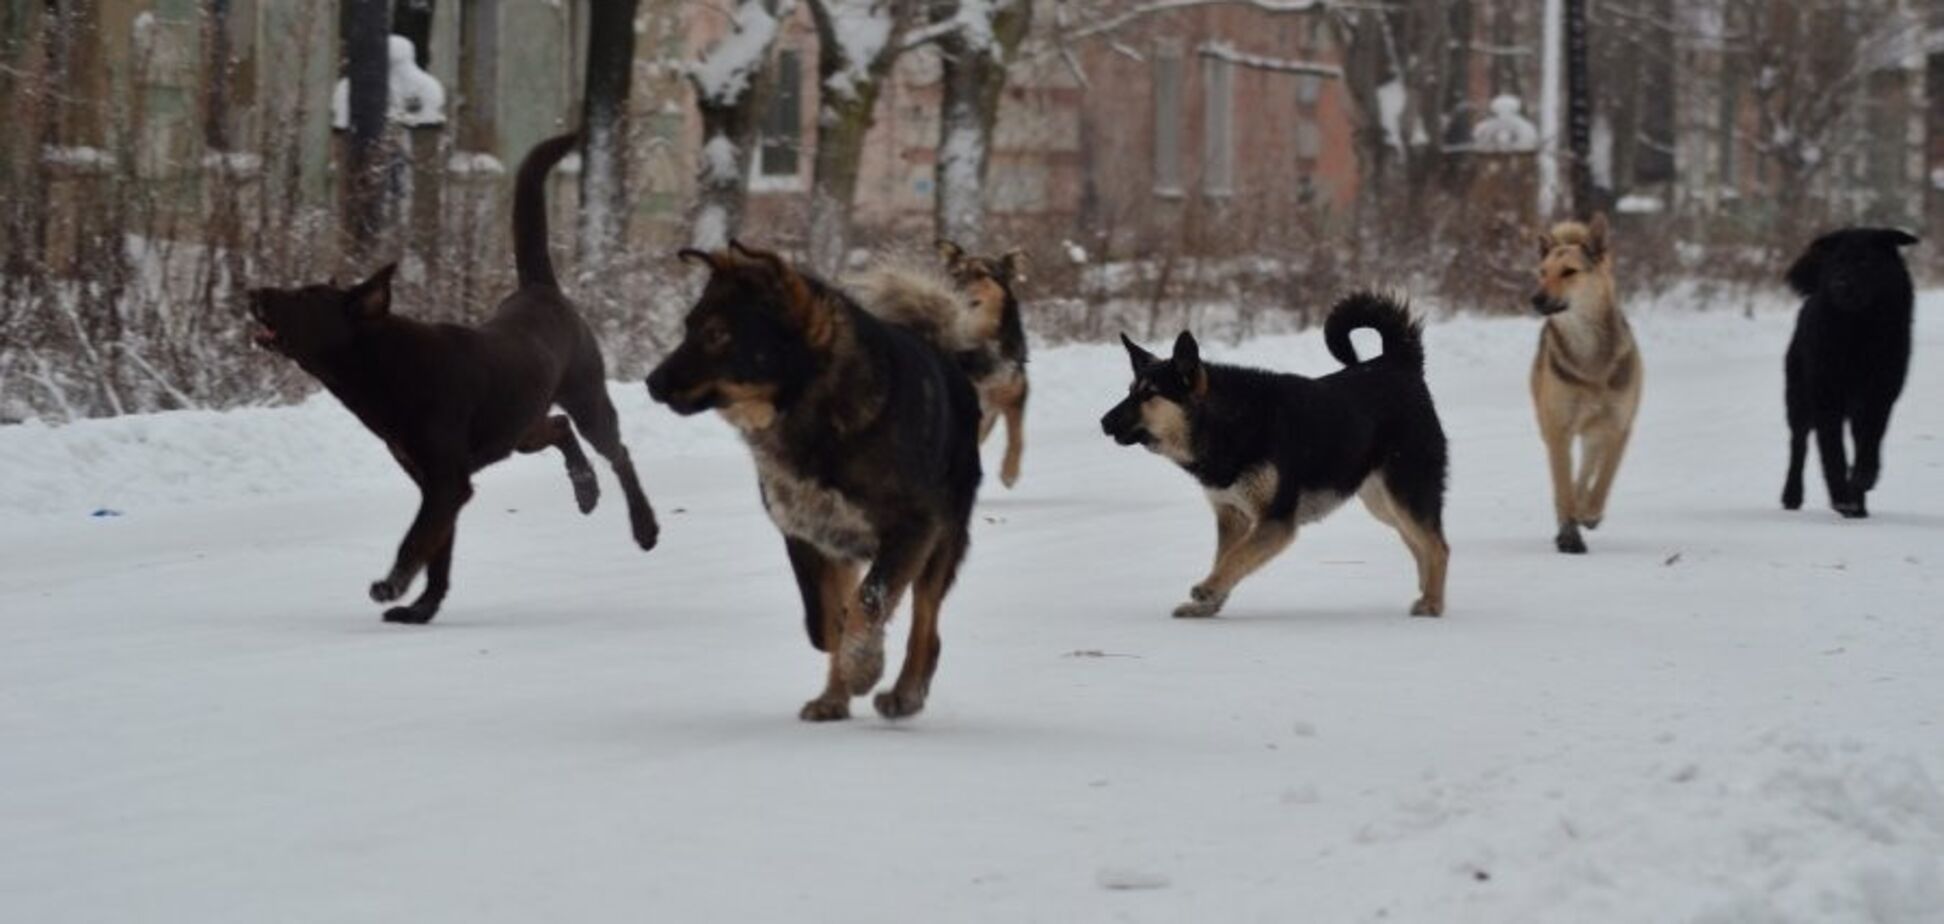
{"x": 1157, "y": 7}
{"x": 723, "y": 73}
{"x": 1226, "y": 52}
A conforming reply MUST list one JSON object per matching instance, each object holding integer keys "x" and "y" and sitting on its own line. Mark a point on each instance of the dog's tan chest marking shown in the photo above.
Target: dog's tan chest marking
{"x": 813, "y": 512}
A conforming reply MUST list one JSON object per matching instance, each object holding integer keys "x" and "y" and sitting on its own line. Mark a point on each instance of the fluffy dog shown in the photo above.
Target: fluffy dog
{"x": 1848, "y": 358}
{"x": 993, "y": 351}
{"x": 1274, "y": 451}
{"x": 865, "y": 437}
{"x": 1586, "y": 378}
{"x": 450, "y": 400}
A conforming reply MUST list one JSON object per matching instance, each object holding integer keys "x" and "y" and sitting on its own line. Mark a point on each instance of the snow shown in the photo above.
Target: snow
{"x": 1506, "y": 130}
{"x": 413, "y": 97}
{"x": 79, "y": 157}
{"x": 723, "y": 72}
{"x": 466, "y": 163}
{"x": 862, "y": 29}
{"x": 1725, "y": 713}
{"x": 1640, "y": 204}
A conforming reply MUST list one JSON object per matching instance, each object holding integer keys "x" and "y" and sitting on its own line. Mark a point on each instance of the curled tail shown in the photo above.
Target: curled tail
{"x": 919, "y": 300}
{"x": 530, "y": 255}
{"x": 1385, "y": 314}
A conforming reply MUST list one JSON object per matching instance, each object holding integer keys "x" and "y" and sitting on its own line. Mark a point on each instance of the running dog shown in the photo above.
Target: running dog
{"x": 1848, "y": 358}
{"x": 449, "y": 400}
{"x": 1274, "y": 451}
{"x": 994, "y": 354}
{"x": 865, "y": 437}
{"x": 1586, "y": 377}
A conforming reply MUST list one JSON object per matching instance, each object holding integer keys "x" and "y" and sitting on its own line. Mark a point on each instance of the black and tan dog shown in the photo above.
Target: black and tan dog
{"x": 1848, "y": 358}
{"x": 993, "y": 352}
{"x": 1586, "y": 378}
{"x": 450, "y": 400}
{"x": 1274, "y": 451}
{"x": 865, "y": 437}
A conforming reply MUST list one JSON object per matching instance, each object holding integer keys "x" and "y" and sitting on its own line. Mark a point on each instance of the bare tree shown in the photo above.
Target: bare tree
{"x": 977, "y": 42}
{"x": 857, "y": 43}
{"x": 728, "y": 82}
{"x": 413, "y": 20}
{"x": 604, "y": 121}
{"x": 367, "y": 72}
{"x": 1579, "y": 109}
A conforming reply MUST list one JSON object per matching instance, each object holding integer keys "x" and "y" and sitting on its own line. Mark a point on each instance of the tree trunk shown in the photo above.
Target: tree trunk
{"x": 846, "y": 103}
{"x": 972, "y": 82}
{"x": 216, "y": 88}
{"x": 604, "y": 118}
{"x": 413, "y": 20}
{"x": 1579, "y": 109}
{"x": 729, "y": 95}
{"x": 366, "y": 69}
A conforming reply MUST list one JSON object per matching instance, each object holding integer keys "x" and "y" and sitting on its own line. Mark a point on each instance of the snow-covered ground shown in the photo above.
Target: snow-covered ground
{"x": 1725, "y": 713}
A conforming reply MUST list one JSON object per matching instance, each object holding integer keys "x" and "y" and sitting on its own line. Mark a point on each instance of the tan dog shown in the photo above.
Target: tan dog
{"x": 994, "y": 355}
{"x": 1586, "y": 379}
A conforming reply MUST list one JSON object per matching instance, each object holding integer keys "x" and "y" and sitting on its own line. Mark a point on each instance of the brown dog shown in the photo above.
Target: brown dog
{"x": 1586, "y": 379}
{"x": 994, "y": 355}
{"x": 450, "y": 400}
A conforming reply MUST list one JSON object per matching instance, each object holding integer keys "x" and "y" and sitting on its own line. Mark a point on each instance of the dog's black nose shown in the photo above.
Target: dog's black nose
{"x": 656, "y": 388}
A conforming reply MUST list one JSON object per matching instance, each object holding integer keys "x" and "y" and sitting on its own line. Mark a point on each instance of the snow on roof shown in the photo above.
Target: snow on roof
{"x": 414, "y": 97}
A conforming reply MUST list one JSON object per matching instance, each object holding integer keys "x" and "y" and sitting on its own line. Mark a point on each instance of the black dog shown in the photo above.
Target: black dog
{"x": 1275, "y": 451}
{"x": 865, "y": 437}
{"x": 1848, "y": 358}
{"x": 450, "y": 400}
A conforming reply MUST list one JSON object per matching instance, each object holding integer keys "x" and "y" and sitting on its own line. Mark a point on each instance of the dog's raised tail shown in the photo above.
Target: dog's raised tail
{"x": 1389, "y": 316}
{"x": 917, "y": 299}
{"x": 530, "y": 255}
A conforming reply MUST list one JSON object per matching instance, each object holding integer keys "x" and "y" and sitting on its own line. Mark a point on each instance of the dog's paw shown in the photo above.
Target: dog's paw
{"x": 894, "y": 704}
{"x": 388, "y": 589}
{"x": 1591, "y": 523}
{"x": 1851, "y": 510}
{"x": 861, "y": 654}
{"x": 646, "y": 533}
{"x": 1792, "y": 497}
{"x": 1569, "y": 542}
{"x": 1427, "y": 607}
{"x": 824, "y": 710}
{"x": 410, "y": 615}
{"x": 1009, "y": 476}
{"x": 1198, "y": 609}
{"x": 587, "y": 491}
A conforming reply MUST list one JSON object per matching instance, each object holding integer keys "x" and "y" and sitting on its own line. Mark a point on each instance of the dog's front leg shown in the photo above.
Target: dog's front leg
{"x": 900, "y": 554}
{"x": 441, "y": 496}
{"x": 1559, "y": 458}
{"x": 1835, "y": 461}
{"x": 1269, "y": 536}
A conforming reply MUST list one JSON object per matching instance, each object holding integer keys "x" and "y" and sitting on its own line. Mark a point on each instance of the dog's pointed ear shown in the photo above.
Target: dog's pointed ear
{"x": 371, "y": 299}
{"x": 692, "y": 255}
{"x": 1596, "y": 237}
{"x": 949, "y": 251}
{"x": 1546, "y": 243}
{"x": 1137, "y": 357}
{"x": 813, "y": 316}
{"x": 1014, "y": 264}
{"x": 1897, "y": 237}
{"x": 1187, "y": 362}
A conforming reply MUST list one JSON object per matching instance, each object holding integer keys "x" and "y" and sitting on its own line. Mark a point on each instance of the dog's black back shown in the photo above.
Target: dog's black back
{"x": 1847, "y": 361}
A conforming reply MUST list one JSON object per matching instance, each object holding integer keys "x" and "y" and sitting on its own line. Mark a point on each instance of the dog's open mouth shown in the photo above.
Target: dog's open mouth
{"x": 263, "y": 336}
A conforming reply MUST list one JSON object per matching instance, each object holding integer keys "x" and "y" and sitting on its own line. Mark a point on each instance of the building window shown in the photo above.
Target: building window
{"x": 780, "y": 148}
{"x": 1218, "y": 126}
{"x": 1166, "y": 69}
{"x": 1309, "y": 139}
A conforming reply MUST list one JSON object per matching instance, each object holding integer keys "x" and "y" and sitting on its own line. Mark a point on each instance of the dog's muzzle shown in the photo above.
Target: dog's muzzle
{"x": 1547, "y": 305}
{"x": 1125, "y": 428}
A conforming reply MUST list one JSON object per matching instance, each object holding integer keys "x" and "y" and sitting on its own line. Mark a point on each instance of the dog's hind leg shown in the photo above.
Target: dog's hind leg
{"x": 1425, "y": 542}
{"x": 923, "y": 646}
{"x": 594, "y": 417}
{"x": 1015, "y": 412}
{"x": 554, "y": 431}
{"x": 1559, "y": 456}
{"x": 438, "y": 574}
{"x": 1269, "y": 537}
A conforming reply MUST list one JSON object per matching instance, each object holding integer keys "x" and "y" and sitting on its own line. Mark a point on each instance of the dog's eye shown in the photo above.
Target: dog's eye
{"x": 1570, "y": 273}
{"x": 715, "y": 338}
